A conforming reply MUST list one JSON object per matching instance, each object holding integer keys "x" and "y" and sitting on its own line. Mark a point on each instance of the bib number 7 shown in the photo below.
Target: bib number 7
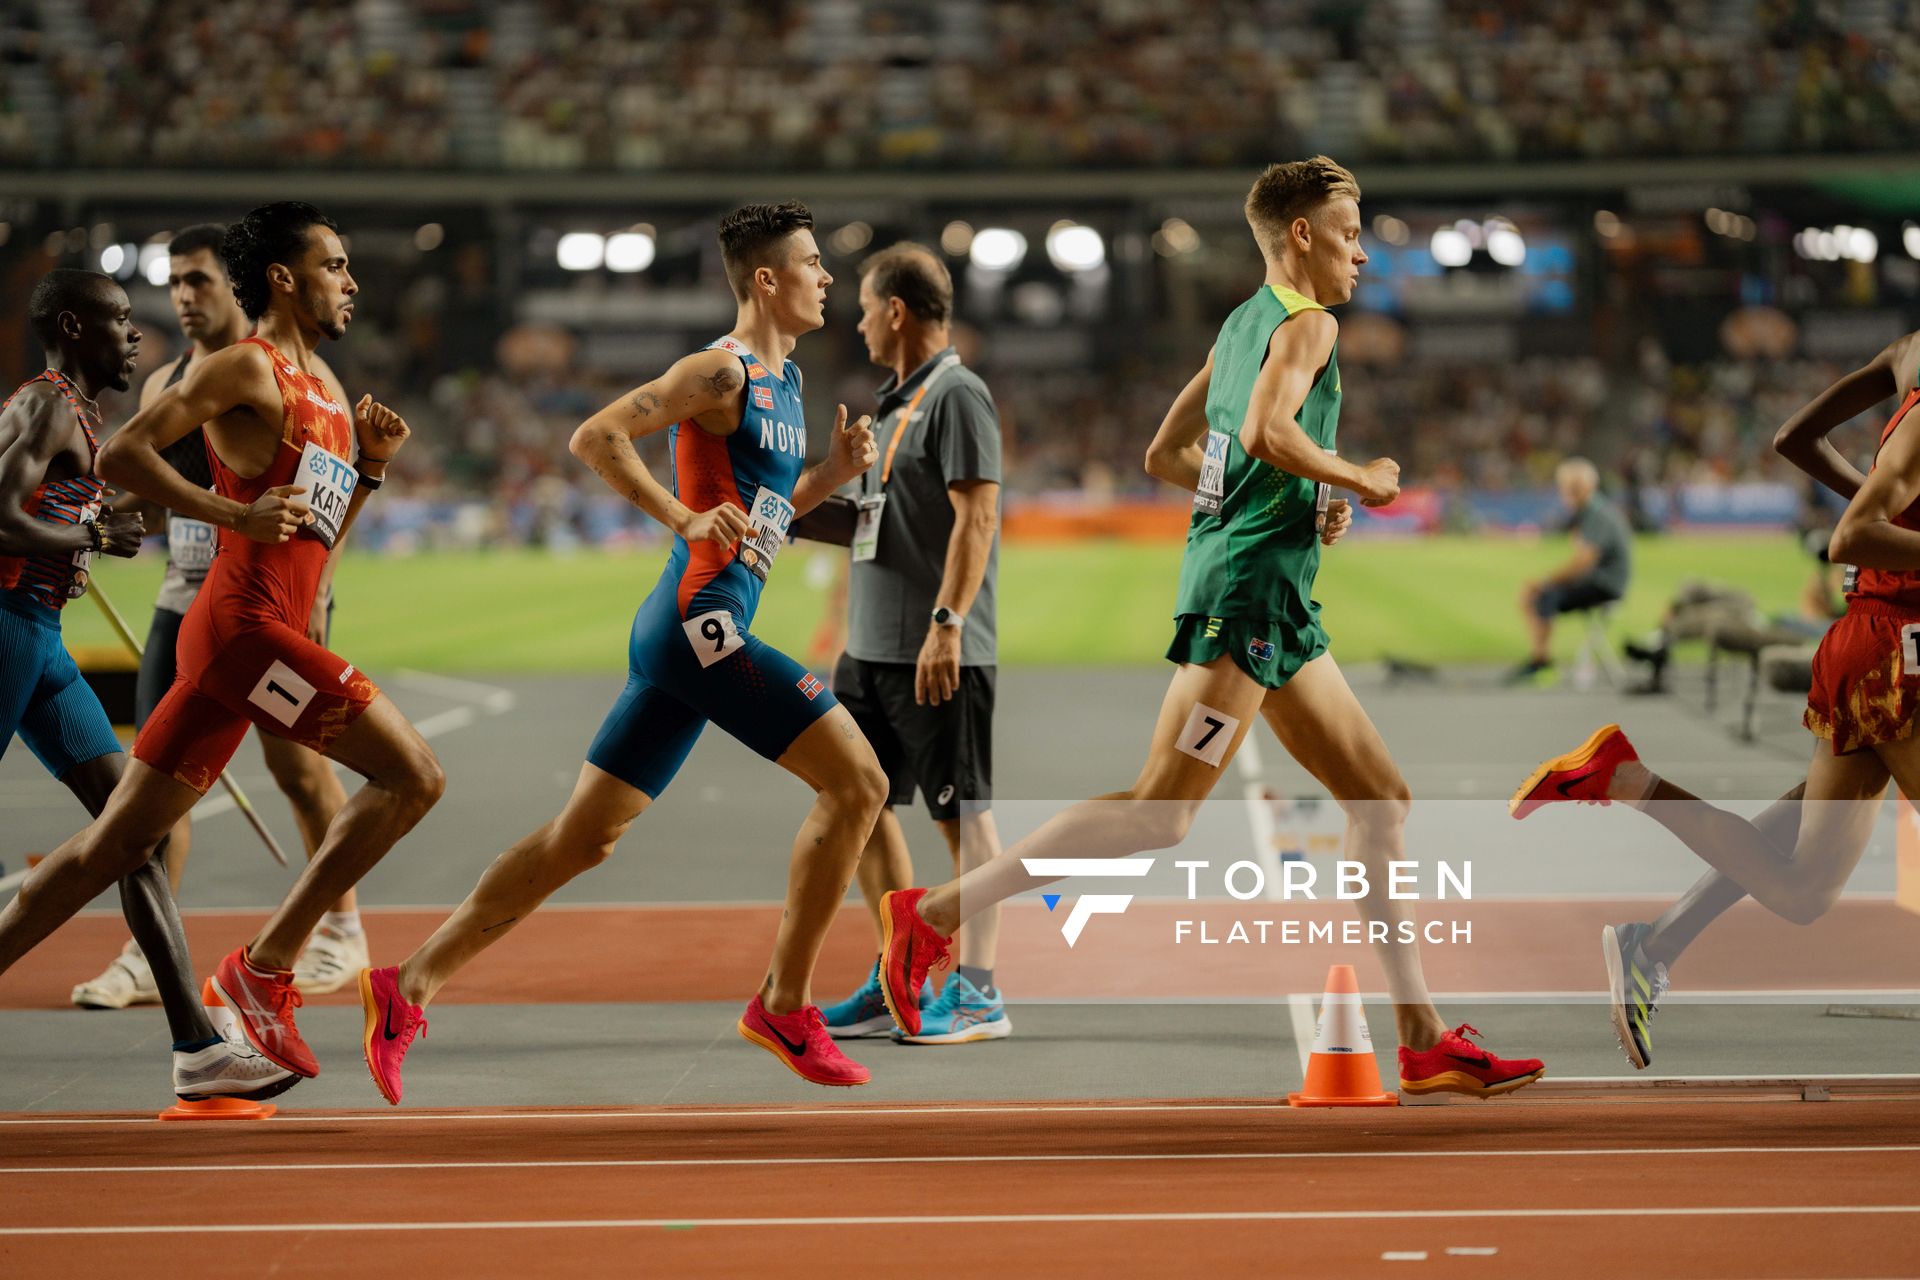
{"x": 712, "y": 635}
{"x": 1207, "y": 734}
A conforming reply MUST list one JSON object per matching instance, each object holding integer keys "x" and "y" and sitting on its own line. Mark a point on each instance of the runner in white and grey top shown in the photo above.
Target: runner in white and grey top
{"x": 190, "y": 543}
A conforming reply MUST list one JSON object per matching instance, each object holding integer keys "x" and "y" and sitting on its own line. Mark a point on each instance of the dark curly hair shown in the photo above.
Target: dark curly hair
{"x": 272, "y": 233}
{"x": 749, "y": 233}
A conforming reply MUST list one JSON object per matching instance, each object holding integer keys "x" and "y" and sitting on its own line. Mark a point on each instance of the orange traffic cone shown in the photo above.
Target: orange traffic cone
{"x": 218, "y": 1108}
{"x": 1342, "y": 1072}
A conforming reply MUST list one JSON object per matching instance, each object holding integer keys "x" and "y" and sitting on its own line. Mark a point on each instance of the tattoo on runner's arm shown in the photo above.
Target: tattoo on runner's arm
{"x": 723, "y": 381}
{"x": 644, "y": 403}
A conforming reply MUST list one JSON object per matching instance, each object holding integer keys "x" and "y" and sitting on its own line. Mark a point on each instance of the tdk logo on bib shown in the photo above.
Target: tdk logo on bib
{"x": 330, "y": 481}
{"x": 783, "y": 438}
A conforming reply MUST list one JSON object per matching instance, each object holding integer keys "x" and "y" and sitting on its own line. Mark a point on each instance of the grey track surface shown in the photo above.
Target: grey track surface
{"x": 648, "y": 1055}
{"x": 722, "y": 834}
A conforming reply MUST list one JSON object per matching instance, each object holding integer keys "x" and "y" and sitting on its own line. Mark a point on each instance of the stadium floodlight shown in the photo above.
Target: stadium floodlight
{"x": 581, "y": 251}
{"x": 112, "y": 258}
{"x": 1861, "y": 245}
{"x": 1450, "y": 247}
{"x": 629, "y": 251}
{"x": 957, "y": 238}
{"x": 1910, "y": 238}
{"x": 1175, "y": 236}
{"x": 851, "y": 238}
{"x": 997, "y": 249}
{"x": 154, "y": 264}
{"x": 1391, "y": 230}
{"x": 1074, "y": 248}
{"x": 1505, "y": 244}
{"x": 429, "y": 236}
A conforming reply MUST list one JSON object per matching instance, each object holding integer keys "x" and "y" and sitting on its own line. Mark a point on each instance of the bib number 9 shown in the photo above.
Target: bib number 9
{"x": 712, "y": 635}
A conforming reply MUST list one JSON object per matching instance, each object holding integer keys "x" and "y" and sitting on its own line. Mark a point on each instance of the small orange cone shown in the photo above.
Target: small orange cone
{"x": 218, "y": 1108}
{"x": 1342, "y": 1072}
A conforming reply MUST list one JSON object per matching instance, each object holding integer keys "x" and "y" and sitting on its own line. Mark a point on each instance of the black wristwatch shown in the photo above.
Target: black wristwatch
{"x": 367, "y": 482}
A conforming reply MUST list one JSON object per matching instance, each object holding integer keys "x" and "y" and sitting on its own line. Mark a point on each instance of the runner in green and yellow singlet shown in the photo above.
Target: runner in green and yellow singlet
{"x": 1253, "y": 546}
{"x": 1252, "y": 437}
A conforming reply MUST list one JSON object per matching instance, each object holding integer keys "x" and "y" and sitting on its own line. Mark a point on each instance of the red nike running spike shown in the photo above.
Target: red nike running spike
{"x": 1583, "y": 774}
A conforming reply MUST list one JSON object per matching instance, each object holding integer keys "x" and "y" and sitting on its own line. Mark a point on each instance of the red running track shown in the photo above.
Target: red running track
{"x": 1535, "y": 1188}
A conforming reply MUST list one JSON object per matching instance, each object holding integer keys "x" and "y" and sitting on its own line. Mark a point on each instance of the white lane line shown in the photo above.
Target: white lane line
{"x": 474, "y": 697}
{"x": 490, "y": 698}
{"x": 973, "y": 1219}
{"x": 716, "y": 1162}
{"x": 1253, "y": 788}
{"x": 1300, "y": 1010}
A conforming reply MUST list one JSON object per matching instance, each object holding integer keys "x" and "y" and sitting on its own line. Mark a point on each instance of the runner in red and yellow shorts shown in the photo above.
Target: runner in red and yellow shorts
{"x": 1796, "y": 858}
{"x": 292, "y": 468}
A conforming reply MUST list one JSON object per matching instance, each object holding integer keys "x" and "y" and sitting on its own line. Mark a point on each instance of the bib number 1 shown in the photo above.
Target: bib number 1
{"x": 712, "y": 635}
{"x": 1910, "y": 651}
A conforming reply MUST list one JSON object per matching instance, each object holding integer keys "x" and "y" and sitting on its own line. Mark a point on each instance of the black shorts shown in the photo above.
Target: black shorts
{"x": 1572, "y": 597}
{"x": 157, "y": 662}
{"x": 947, "y": 750}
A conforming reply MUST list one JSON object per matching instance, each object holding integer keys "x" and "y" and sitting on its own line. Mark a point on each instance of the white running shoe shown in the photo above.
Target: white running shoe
{"x": 228, "y": 1069}
{"x": 128, "y": 980}
{"x": 330, "y": 962}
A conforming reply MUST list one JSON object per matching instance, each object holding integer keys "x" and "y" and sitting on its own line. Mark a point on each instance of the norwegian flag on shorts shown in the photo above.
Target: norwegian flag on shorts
{"x": 811, "y": 686}
{"x": 763, "y": 397}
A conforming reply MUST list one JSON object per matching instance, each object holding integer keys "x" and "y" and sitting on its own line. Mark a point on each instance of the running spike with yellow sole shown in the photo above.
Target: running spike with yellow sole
{"x": 1582, "y": 774}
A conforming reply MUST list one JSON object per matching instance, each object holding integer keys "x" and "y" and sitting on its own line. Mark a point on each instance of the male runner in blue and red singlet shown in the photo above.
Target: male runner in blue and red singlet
{"x": 51, "y": 523}
{"x": 734, "y": 427}
{"x": 285, "y": 492}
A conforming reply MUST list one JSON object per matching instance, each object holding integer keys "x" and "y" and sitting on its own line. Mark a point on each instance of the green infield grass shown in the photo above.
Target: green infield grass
{"x": 1443, "y": 600}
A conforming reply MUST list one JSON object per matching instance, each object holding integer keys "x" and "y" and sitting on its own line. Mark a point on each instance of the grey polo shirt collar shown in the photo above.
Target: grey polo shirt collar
{"x": 893, "y": 393}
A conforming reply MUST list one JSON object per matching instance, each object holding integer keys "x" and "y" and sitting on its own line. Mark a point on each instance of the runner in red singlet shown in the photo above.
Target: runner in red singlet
{"x": 1796, "y": 858}
{"x": 287, "y": 487}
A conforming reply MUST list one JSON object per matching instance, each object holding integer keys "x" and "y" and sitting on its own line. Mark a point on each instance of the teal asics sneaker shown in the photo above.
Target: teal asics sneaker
{"x": 864, "y": 1013}
{"x": 959, "y": 1014}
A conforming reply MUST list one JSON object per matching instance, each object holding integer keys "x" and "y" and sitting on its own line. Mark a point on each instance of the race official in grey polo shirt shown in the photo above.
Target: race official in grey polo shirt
{"x": 918, "y": 672}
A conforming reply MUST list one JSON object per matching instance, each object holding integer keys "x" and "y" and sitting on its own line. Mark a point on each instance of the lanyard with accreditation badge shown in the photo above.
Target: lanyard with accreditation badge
{"x": 866, "y": 529}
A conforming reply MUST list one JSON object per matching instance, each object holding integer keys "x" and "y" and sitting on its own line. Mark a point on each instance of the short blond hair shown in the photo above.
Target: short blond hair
{"x": 1292, "y": 190}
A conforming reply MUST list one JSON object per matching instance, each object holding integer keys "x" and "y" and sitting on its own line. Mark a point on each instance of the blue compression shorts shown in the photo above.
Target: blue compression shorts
{"x": 681, "y": 673}
{"x": 42, "y": 696}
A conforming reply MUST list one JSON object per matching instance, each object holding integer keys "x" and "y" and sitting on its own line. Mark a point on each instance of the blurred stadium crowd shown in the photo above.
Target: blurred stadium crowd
{"x": 967, "y": 84}
{"x": 1667, "y": 347}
